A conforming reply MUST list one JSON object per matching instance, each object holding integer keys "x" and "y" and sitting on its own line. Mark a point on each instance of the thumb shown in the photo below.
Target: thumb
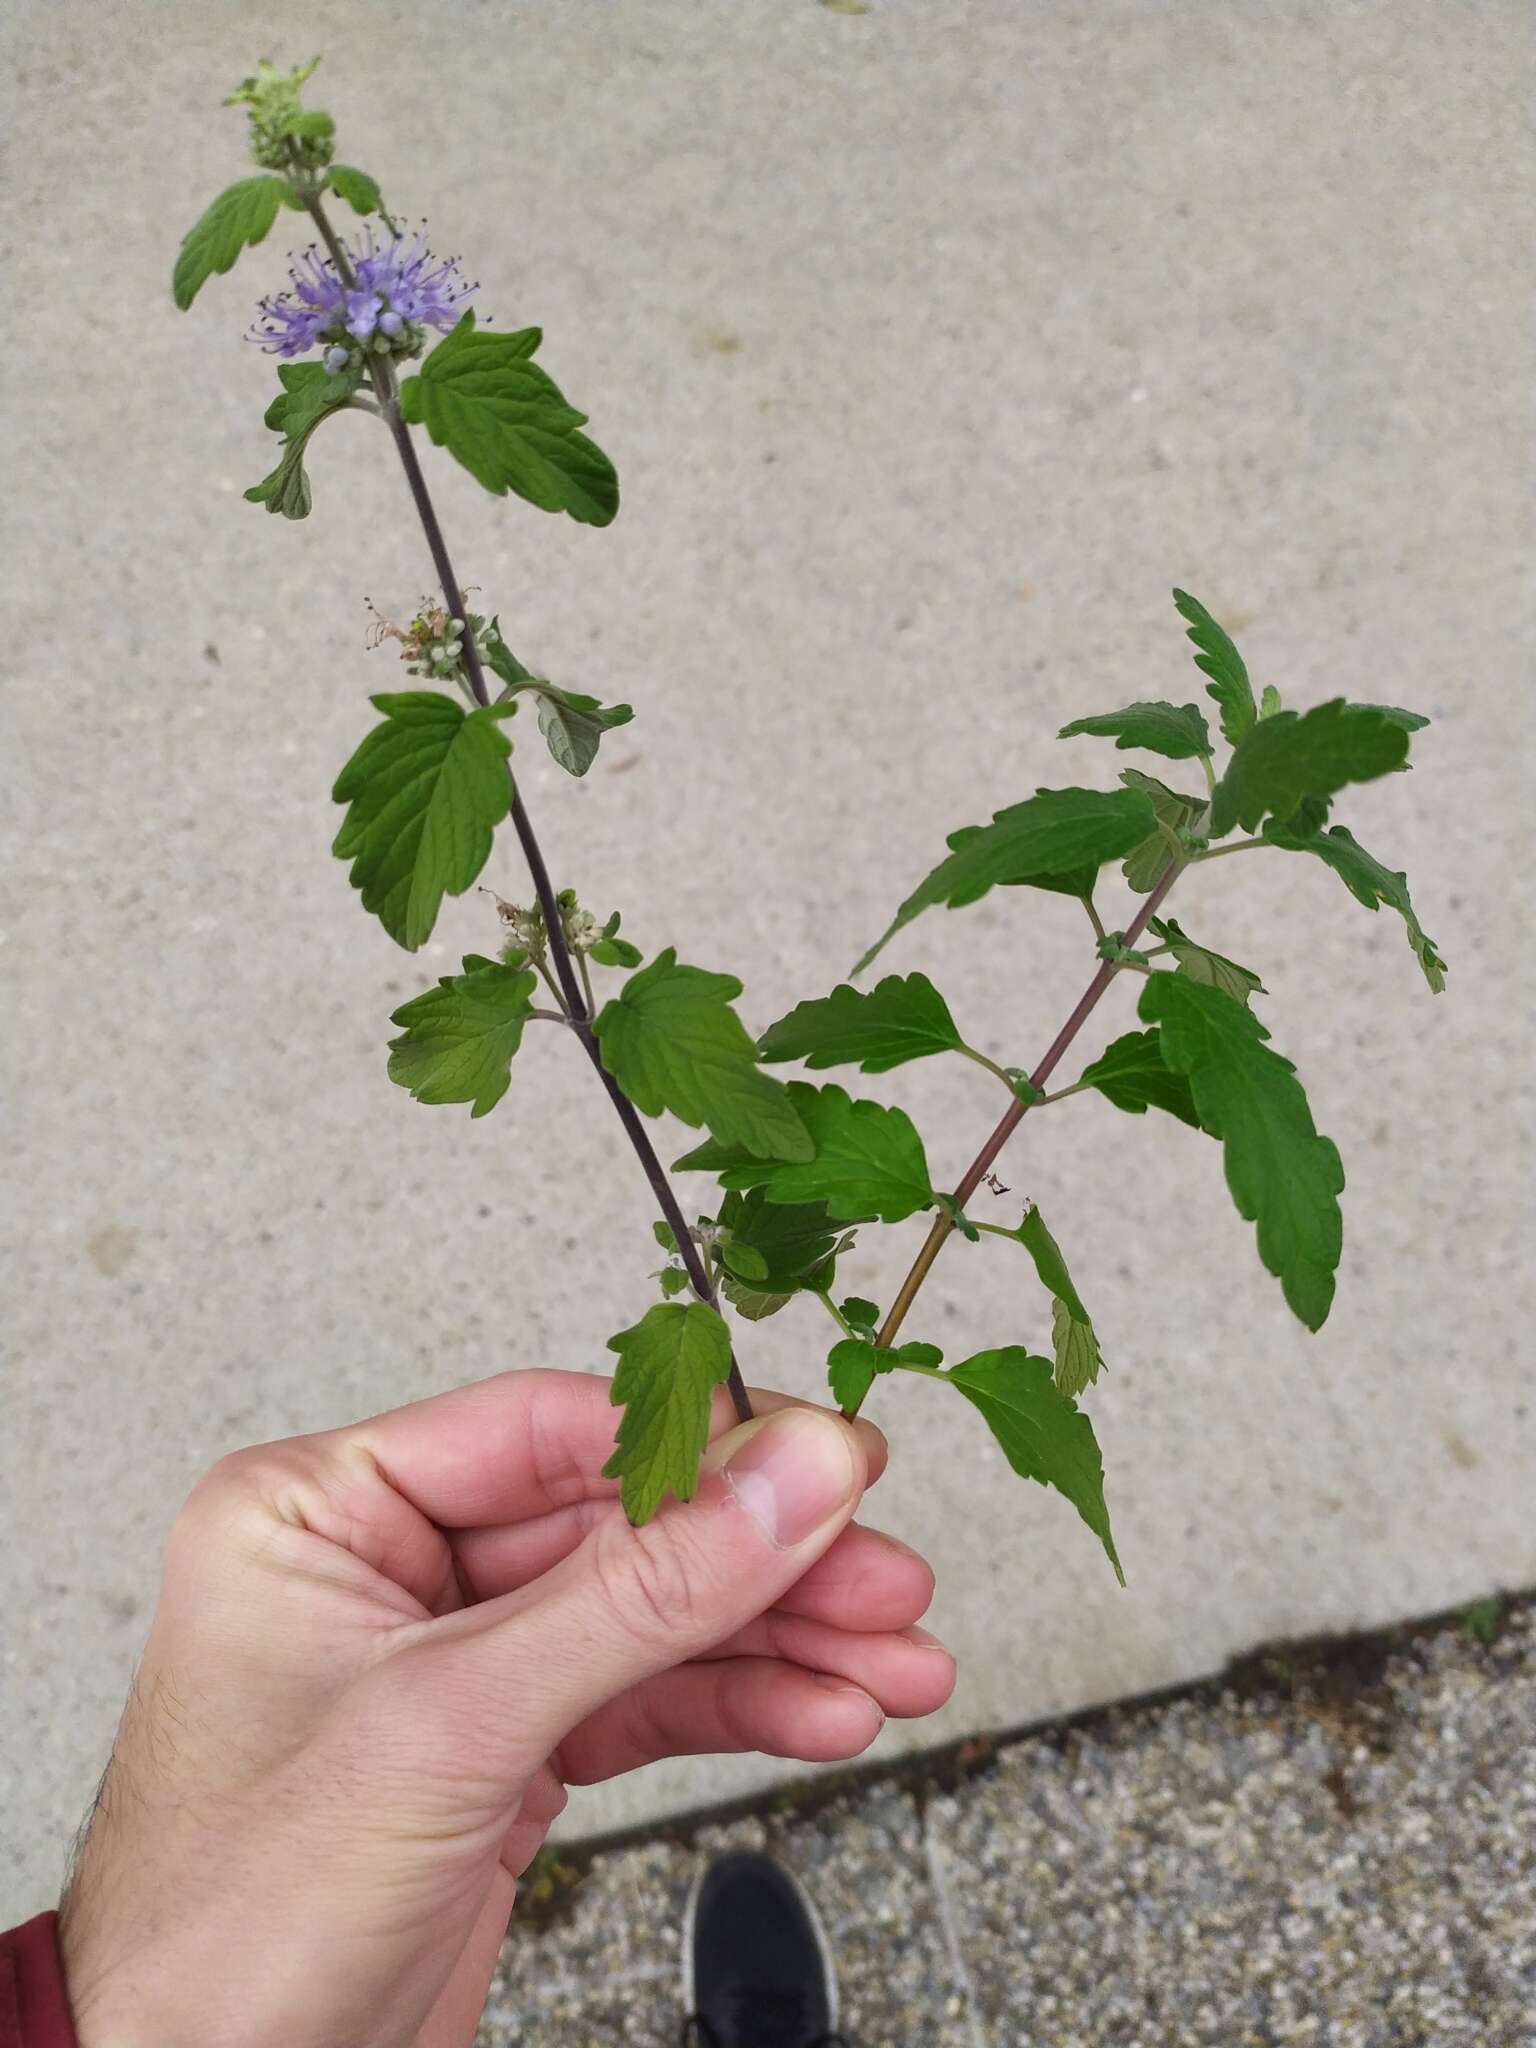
{"x": 629, "y": 1603}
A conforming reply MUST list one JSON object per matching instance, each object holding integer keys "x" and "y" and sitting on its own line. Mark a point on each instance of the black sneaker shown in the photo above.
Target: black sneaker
{"x": 757, "y": 1972}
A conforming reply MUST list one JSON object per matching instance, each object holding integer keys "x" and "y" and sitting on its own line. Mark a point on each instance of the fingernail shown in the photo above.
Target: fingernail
{"x": 792, "y": 1474}
{"x": 831, "y": 1684}
{"x": 920, "y": 1639}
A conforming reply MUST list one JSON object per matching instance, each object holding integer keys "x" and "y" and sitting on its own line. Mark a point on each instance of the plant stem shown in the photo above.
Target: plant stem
{"x": 1093, "y": 917}
{"x": 586, "y": 984}
{"x": 579, "y": 1012}
{"x": 982, "y": 1061}
{"x": 836, "y": 1314}
{"x": 1237, "y": 846}
{"x": 976, "y": 1172}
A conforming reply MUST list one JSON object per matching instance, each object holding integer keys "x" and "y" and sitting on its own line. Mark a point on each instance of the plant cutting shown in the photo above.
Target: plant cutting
{"x": 807, "y": 1171}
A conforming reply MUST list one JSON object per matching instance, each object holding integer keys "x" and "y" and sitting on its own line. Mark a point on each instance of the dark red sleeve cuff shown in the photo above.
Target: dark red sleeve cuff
{"x": 34, "y": 2009}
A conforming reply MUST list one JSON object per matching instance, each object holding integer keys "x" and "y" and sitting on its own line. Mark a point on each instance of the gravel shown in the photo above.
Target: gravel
{"x": 1336, "y": 1846}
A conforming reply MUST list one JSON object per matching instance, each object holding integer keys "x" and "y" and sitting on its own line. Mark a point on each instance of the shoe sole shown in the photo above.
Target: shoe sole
{"x": 824, "y": 1948}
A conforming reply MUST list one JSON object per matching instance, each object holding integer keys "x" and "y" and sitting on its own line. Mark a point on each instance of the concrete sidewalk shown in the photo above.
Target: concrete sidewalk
{"x": 933, "y": 345}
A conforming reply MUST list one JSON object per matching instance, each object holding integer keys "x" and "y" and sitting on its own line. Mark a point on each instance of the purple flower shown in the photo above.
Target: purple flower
{"x": 399, "y": 287}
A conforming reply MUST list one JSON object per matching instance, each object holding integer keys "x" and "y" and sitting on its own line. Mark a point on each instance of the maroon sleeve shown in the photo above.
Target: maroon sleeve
{"x": 34, "y": 2009}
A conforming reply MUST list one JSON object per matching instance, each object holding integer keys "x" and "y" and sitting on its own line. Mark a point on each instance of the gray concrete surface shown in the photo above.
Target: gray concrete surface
{"x": 1330, "y": 1852}
{"x": 932, "y": 345}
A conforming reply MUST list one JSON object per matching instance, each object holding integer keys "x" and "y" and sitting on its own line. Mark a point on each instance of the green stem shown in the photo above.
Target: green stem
{"x": 1093, "y": 916}
{"x": 539, "y": 968}
{"x": 1237, "y": 846}
{"x": 981, "y": 1060}
{"x": 1060, "y": 1094}
{"x": 1210, "y": 774}
{"x": 586, "y": 983}
{"x": 836, "y": 1314}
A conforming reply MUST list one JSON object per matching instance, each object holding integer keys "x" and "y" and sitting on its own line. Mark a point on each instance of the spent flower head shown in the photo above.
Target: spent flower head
{"x": 400, "y": 290}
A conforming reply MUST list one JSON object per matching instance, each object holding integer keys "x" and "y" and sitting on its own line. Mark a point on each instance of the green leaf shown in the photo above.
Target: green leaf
{"x": 673, "y": 1280}
{"x": 239, "y": 218}
{"x": 480, "y": 397}
{"x": 308, "y": 396}
{"x": 425, "y": 791}
{"x": 901, "y": 1018}
{"x": 573, "y": 724}
{"x": 1078, "y": 1358}
{"x": 1178, "y": 731}
{"x": 1041, "y": 1431}
{"x": 1368, "y": 881}
{"x": 614, "y": 953}
{"x": 1144, "y": 865}
{"x": 851, "y": 1367}
{"x": 1269, "y": 701}
{"x": 1131, "y": 1074}
{"x": 1295, "y": 755}
{"x": 458, "y": 1040}
{"x": 1282, "y": 1175}
{"x": 743, "y": 1261}
{"x": 1410, "y": 721}
{"x": 664, "y": 1235}
{"x": 1220, "y": 660}
{"x": 756, "y": 1304}
{"x": 671, "y": 1041}
{"x": 869, "y": 1160}
{"x": 670, "y": 1363}
{"x": 862, "y": 1314}
{"x": 356, "y": 188}
{"x": 796, "y": 1242}
{"x": 500, "y": 657}
{"x": 1214, "y": 970}
{"x": 1056, "y": 831}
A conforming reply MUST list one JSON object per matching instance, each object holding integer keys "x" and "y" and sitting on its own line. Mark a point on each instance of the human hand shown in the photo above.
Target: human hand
{"x": 380, "y": 1655}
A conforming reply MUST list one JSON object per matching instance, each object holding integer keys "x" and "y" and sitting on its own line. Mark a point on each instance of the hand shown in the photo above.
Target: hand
{"x": 382, "y": 1653}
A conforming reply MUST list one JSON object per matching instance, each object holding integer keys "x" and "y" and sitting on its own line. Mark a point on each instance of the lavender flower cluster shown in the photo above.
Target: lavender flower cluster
{"x": 401, "y": 290}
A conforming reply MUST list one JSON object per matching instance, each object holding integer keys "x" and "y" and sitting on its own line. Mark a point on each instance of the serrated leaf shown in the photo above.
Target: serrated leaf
{"x": 673, "y": 1280}
{"x": 1368, "y": 881}
{"x": 1144, "y": 866}
{"x": 1078, "y": 1358}
{"x": 672, "y": 1041}
{"x": 1131, "y": 1074}
{"x": 359, "y": 191}
{"x": 869, "y": 1160}
{"x": 425, "y": 791}
{"x": 240, "y": 217}
{"x": 901, "y": 1018}
{"x": 1215, "y": 970}
{"x": 1078, "y": 881}
{"x": 1220, "y": 660}
{"x": 458, "y": 1040}
{"x": 851, "y": 1367}
{"x": 504, "y": 418}
{"x": 670, "y": 1363}
{"x": 1041, "y": 1432}
{"x": 1304, "y": 754}
{"x": 1177, "y": 731}
{"x": 1055, "y": 831}
{"x": 862, "y": 1314}
{"x": 1282, "y": 1175}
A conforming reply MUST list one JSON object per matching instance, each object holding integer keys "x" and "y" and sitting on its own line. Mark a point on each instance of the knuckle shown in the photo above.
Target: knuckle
{"x": 647, "y": 1580}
